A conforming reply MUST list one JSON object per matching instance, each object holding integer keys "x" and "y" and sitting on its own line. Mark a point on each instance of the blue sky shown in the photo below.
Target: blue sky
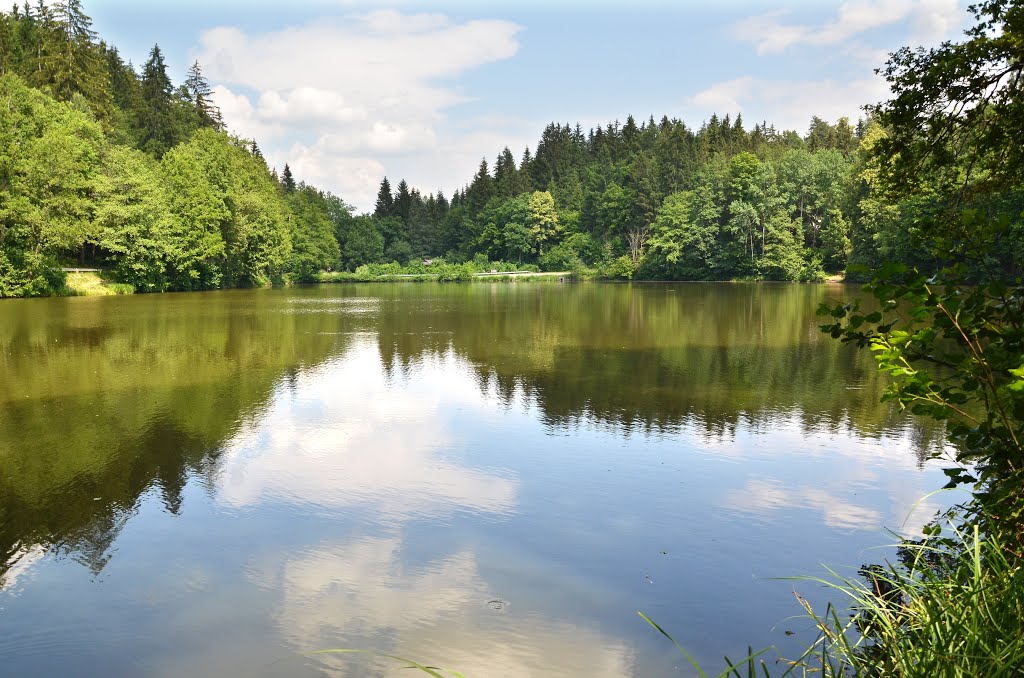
{"x": 346, "y": 92}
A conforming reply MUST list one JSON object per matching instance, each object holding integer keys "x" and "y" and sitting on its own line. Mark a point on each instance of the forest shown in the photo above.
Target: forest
{"x": 105, "y": 165}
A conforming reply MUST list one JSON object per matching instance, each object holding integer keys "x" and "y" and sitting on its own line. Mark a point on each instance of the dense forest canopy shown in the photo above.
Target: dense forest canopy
{"x": 106, "y": 164}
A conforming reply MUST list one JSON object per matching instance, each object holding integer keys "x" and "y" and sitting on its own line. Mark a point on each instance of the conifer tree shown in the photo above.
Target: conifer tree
{"x": 481, "y": 190}
{"x": 156, "y": 123}
{"x": 385, "y": 206}
{"x": 72, "y": 63}
{"x": 257, "y": 153}
{"x": 505, "y": 179}
{"x": 402, "y": 202}
{"x": 201, "y": 97}
{"x": 524, "y": 183}
{"x": 287, "y": 180}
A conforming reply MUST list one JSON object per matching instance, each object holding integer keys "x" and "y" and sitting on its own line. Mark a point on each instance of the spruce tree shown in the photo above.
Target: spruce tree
{"x": 257, "y": 153}
{"x": 524, "y": 182}
{"x": 481, "y": 190}
{"x": 385, "y": 206}
{"x": 403, "y": 202}
{"x": 156, "y": 121}
{"x": 505, "y": 172}
{"x": 201, "y": 97}
{"x": 73, "y": 63}
{"x": 287, "y": 180}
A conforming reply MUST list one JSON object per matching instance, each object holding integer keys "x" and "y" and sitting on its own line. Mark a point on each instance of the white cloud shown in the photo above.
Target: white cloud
{"x": 376, "y": 444}
{"x": 936, "y": 20}
{"x": 788, "y": 104}
{"x": 20, "y": 564}
{"x": 327, "y": 96}
{"x": 760, "y": 497}
{"x": 931, "y": 20}
{"x": 367, "y": 592}
{"x": 354, "y": 178}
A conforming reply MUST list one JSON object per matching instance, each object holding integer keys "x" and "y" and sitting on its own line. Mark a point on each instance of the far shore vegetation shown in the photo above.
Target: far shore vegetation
{"x": 156, "y": 191}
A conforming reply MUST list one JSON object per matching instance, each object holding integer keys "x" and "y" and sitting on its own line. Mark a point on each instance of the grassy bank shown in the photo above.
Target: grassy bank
{"x": 441, "y": 271}
{"x": 93, "y": 284}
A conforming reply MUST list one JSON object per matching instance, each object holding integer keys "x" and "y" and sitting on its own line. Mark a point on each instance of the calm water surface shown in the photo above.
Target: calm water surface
{"x": 491, "y": 478}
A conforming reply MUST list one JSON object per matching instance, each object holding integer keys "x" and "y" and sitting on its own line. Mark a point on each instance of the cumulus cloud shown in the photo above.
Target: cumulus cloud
{"x": 327, "y": 96}
{"x": 367, "y": 590}
{"x": 771, "y": 32}
{"x": 762, "y": 497}
{"x": 789, "y": 104}
{"x": 376, "y": 445}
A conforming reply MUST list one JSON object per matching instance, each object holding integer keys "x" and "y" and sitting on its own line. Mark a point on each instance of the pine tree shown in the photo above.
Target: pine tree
{"x": 73, "y": 63}
{"x": 505, "y": 172}
{"x": 287, "y": 180}
{"x": 201, "y": 97}
{"x": 157, "y": 126}
{"x": 481, "y": 190}
{"x": 257, "y": 153}
{"x": 385, "y": 206}
{"x": 402, "y": 202}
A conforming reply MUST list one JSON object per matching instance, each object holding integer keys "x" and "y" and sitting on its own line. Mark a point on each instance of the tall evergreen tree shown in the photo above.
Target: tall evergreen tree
{"x": 385, "y": 206}
{"x": 73, "y": 64}
{"x": 157, "y": 125}
{"x": 481, "y": 190}
{"x": 287, "y": 179}
{"x": 402, "y": 202}
{"x": 505, "y": 180}
{"x": 257, "y": 153}
{"x": 201, "y": 97}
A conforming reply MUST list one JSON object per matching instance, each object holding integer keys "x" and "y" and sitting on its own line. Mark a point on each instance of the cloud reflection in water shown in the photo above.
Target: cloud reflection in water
{"x": 348, "y": 436}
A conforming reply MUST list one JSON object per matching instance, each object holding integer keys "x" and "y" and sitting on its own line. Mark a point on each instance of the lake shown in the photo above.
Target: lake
{"x": 487, "y": 477}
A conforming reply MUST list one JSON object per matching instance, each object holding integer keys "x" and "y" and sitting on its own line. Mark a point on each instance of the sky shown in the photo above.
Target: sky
{"x": 349, "y": 91}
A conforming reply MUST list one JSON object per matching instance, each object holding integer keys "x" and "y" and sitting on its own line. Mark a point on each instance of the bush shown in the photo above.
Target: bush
{"x": 561, "y": 257}
{"x": 617, "y": 269}
{"x": 455, "y": 272}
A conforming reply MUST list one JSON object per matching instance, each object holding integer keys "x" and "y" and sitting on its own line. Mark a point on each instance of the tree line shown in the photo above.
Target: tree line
{"x": 659, "y": 200}
{"x": 102, "y": 163}
{"x": 654, "y": 200}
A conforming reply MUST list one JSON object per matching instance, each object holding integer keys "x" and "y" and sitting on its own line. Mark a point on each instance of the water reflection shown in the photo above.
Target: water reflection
{"x": 255, "y": 474}
{"x": 350, "y": 436}
{"x": 360, "y": 592}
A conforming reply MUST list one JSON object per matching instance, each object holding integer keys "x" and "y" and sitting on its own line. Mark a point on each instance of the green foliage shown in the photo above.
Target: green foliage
{"x": 231, "y": 224}
{"x": 954, "y": 123}
{"x": 314, "y": 247}
{"x": 197, "y": 186}
{"x": 621, "y": 268}
{"x": 681, "y": 248}
{"x": 157, "y": 124}
{"x": 762, "y": 203}
{"x": 133, "y": 219}
{"x": 361, "y": 243}
{"x": 952, "y": 340}
{"x": 561, "y": 257}
{"x": 953, "y": 352}
{"x": 40, "y": 218}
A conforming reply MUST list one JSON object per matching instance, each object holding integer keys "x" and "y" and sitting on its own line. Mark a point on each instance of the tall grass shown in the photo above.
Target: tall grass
{"x": 951, "y": 607}
{"x": 92, "y": 284}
